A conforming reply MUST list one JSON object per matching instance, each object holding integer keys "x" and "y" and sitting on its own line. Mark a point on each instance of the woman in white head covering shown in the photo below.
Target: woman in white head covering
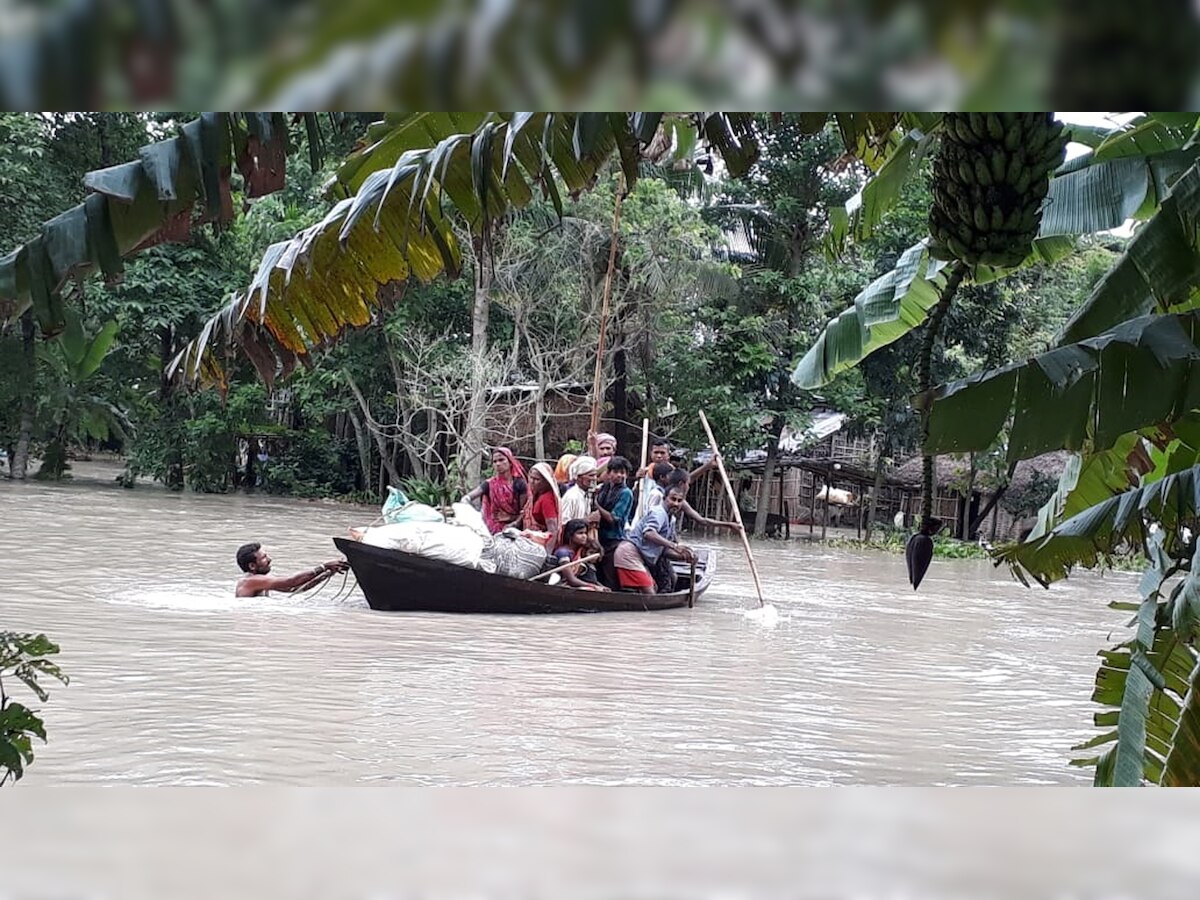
{"x": 577, "y": 501}
{"x": 542, "y": 518}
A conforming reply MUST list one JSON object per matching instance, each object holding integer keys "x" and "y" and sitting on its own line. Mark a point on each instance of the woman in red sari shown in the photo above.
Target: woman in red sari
{"x": 541, "y": 517}
{"x": 504, "y": 494}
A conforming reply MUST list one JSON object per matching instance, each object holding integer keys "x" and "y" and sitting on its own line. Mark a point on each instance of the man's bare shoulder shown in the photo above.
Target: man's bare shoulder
{"x": 252, "y": 585}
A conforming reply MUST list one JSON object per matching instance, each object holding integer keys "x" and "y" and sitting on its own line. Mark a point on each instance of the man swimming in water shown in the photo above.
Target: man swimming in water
{"x": 256, "y": 563}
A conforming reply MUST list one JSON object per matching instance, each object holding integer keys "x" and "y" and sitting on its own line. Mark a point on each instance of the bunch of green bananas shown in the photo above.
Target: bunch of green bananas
{"x": 989, "y": 180}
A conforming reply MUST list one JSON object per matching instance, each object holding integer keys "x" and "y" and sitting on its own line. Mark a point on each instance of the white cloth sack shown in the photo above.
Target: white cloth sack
{"x": 446, "y": 541}
{"x": 468, "y": 516}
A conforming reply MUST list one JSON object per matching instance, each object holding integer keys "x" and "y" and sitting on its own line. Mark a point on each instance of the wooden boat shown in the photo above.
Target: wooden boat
{"x": 404, "y": 582}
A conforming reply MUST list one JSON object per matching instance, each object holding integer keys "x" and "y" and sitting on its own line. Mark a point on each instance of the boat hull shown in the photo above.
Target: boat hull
{"x": 395, "y": 581}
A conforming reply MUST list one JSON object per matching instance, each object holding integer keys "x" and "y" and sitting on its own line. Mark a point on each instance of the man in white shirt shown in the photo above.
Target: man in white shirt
{"x": 576, "y": 503}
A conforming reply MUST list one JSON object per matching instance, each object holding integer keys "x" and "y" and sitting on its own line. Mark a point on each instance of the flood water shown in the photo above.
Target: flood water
{"x": 846, "y": 677}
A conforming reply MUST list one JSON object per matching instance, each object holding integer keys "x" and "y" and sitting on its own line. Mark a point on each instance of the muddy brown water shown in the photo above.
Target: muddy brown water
{"x": 846, "y": 677}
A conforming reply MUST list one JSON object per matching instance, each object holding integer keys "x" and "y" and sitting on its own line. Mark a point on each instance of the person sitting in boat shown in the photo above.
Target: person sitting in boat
{"x": 256, "y": 563}
{"x": 680, "y": 478}
{"x": 503, "y": 494}
{"x": 577, "y": 501}
{"x": 601, "y": 445}
{"x": 541, "y": 517}
{"x": 576, "y": 545}
{"x": 643, "y": 559}
{"x": 562, "y": 472}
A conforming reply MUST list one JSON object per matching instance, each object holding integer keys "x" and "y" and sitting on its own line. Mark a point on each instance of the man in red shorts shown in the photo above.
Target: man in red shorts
{"x": 651, "y": 537}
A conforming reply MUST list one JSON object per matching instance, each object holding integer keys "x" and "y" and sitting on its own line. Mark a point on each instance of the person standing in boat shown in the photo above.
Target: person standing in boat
{"x": 577, "y": 501}
{"x": 614, "y": 502}
{"x": 503, "y": 494}
{"x": 643, "y": 559}
{"x": 258, "y": 580}
{"x": 541, "y": 517}
{"x": 601, "y": 445}
{"x": 657, "y": 489}
{"x": 562, "y": 472}
{"x": 679, "y": 478}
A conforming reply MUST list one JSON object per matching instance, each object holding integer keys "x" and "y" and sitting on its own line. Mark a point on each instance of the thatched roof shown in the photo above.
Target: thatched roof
{"x": 952, "y": 469}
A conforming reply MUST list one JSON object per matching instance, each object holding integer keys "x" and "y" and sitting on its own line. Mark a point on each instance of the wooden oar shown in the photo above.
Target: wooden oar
{"x": 566, "y": 565}
{"x": 737, "y": 513}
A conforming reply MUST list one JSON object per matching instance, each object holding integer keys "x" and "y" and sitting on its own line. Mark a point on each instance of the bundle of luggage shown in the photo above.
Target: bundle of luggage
{"x": 458, "y": 537}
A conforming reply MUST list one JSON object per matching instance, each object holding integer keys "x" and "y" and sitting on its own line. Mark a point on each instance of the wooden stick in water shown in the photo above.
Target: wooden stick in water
{"x": 566, "y": 565}
{"x": 737, "y": 513}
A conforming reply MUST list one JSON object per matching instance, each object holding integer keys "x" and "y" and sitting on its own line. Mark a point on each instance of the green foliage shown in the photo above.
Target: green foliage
{"x": 1146, "y": 682}
{"x": 313, "y": 464}
{"x": 23, "y": 657}
{"x": 894, "y": 540}
{"x": 73, "y": 408}
{"x": 427, "y": 491}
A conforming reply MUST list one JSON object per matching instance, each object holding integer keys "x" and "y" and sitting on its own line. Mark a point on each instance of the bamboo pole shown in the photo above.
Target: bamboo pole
{"x": 641, "y": 502}
{"x": 598, "y": 377}
{"x": 737, "y": 513}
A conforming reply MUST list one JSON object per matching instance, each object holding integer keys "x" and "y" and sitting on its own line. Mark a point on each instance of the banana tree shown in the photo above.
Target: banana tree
{"x": 1122, "y": 390}
{"x": 1127, "y": 174}
{"x": 76, "y": 412}
{"x": 175, "y": 184}
{"x": 1150, "y": 683}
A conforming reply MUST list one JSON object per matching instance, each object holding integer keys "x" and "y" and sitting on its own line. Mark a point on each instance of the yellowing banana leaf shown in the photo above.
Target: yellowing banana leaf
{"x": 392, "y": 137}
{"x": 408, "y": 183}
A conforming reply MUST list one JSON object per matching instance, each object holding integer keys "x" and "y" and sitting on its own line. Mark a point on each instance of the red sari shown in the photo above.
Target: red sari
{"x": 502, "y": 498}
{"x": 541, "y": 510}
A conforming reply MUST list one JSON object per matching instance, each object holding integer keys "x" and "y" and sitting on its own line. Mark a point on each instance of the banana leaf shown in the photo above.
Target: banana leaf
{"x": 136, "y": 205}
{"x": 1181, "y": 767}
{"x": 1151, "y": 681}
{"x": 409, "y": 184}
{"x": 1085, "y": 196}
{"x": 866, "y": 209}
{"x": 1092, "y": 535}
{"x": 1143, "y": 372}
{"x": 883, "y": 312}
{"x": 1160, "y": 269}
{"x": 1087, "y": 481}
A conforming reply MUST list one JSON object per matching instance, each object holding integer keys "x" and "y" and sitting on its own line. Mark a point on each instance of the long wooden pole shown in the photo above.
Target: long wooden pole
{"x": 737, "y": 513}
{"x": 641, "y": 502}
{"x": 598, "y": 377}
